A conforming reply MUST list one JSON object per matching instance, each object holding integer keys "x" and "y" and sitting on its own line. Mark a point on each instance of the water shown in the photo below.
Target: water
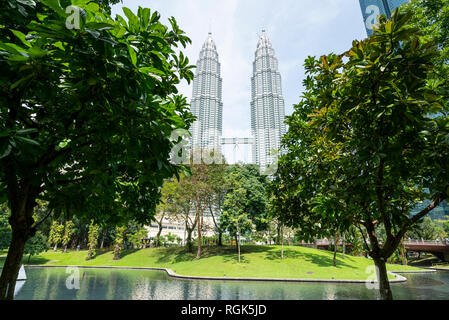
{"x": 115, "y": 284}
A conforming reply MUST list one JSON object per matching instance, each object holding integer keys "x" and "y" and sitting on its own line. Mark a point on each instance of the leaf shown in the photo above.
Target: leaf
{"x": 29, "y": 3}
{"x": 132, "y": 54}
{"x": 17, "y": 83}
{"x": 21, "y": 37}
{"x": 133, "y": 21}
{"x": 36, "y": 52}
{"x": 93, "y": 33}
{"x": 325, "y": 64}
{"x": 99, "y": 26}
{"x": 56, "y": 6}
{"x": 152, "y": 70}
{"x": 6, "y": 152}
{"x": 18, "y": 58}
{"x": 26, "y": 131}
{"x": 11, "y": 48}
{"x": 26, "y": 140}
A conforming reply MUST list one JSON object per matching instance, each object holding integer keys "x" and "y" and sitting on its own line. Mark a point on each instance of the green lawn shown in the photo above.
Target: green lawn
{"x": 257, "y": 261}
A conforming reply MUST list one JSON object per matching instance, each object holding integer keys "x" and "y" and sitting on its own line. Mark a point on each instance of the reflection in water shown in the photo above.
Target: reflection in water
{"x": 107, "y": 284}
{"x": 19, "y": 285}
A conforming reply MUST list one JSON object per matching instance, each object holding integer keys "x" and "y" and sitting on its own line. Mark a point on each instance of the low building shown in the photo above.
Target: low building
{"x": 176, "y": 226}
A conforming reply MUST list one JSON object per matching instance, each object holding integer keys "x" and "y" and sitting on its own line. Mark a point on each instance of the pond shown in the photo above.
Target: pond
{"x": 119, "y": 284}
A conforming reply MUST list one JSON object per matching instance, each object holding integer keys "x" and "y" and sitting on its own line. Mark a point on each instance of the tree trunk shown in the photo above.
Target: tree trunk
{"x": 21, "y": 221}
{"x": 11, "y": 267}
{"x": 344, "y": 246}
{"x": 278, "y": 242}
{"x": 65, "y": 248}
{"x": 220, "y": 239}
{"x": 117, "y": 252}
{"x": 89, "y": 254}
{"x": 282, "y": 241}
{"x": 56, "y": 247}
{"x": 200, "y": 222}
{"x": 102, "y": 240}
{"x": 157, "y": 242}
{"x": 189, "y": 240}
{"x": 335, "y": 251}
{"x": 382, "y": 278}
{"x": 29, "y": 257}
{"x": 237, "y": 237}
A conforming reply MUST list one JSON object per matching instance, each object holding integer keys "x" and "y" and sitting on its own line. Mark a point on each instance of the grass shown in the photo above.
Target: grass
{"x": 256, "y": 262}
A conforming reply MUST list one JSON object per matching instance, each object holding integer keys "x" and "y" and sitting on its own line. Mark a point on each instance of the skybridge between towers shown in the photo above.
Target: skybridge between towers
{"x": 236, "y": 142}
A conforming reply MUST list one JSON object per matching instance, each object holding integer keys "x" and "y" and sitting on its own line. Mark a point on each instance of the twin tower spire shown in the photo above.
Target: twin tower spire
{"x": 267, "y": 103}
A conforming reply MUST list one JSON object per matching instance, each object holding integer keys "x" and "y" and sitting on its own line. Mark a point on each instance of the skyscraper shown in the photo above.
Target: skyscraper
{"x": 206, "y": 103}
{"x": 267, "y": 104}
{"x": 372, "y": 8}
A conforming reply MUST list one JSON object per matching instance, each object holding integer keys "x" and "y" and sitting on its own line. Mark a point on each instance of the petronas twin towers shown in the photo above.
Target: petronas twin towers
{"x": 267, "y": 103}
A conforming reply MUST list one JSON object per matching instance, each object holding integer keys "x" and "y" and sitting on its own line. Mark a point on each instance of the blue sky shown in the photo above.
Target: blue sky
{"x": 296, "y": 28}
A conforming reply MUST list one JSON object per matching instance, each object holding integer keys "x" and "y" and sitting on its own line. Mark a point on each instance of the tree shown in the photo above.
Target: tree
{"x": 93, "y": 239}
{"x": 36, "y": 245}
{"x": 367, "y": 141}
{"x": 68, "y": 231}
{"x": 199, "y": 187}
{"x": 254, "y": 184}
{"x": 183, "y": 203}
{"x": 234, "y": 215}
{"x": 244, "y": 206}
{"x": 165, "y": 207}
{"x": 427, "y": 229}
{"x": 86, "y": 115}
{"x": 219, "y": 187}
{"x": 135, "y": 238}
{"x": 432, "y": 19}
{"x": 56, "y": 234}
{"x": 119, "y": 240}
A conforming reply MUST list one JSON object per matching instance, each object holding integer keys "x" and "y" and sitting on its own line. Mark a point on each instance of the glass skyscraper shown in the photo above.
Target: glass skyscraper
{"x": 267, "y": 104}
{"x": 372, "y": 8}
{"x": 206, "y": 103}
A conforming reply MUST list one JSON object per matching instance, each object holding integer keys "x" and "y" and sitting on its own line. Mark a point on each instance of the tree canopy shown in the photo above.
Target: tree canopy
{"x": 86, "y": 113}
{"x": 368, "y": 140}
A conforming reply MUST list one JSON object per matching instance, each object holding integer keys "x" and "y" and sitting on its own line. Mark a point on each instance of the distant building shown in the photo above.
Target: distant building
{"x": 206, "y": 103}
{"x": 177, "y": 227}
{"x": 439, "y": 212}
{"x": 267, "y": 104}
{"x": 372, "y": 8}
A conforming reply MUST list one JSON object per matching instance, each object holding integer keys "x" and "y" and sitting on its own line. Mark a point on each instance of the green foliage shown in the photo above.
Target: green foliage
{"x": 36, "y": 244}
{"x": 234, "y": 217}
{"x": 5, "y": 229}
{"x": 99, "y": 101}
{"x": 68, "y": 231}
{"x": 120, "y": 235}
{"x": 5, "y": 237}
{"x": 446, "y": 227}
{"x": 92, "y": 239}
{"x": 245, "y": 202}
{"x": 170, "y": 239}
{"x": 432, "y": 19}
{"x": 428, "y": 229}
{"x": 56, "y": 234}
{"x": 136, "y": 237}
{"x": 368, "y": 141}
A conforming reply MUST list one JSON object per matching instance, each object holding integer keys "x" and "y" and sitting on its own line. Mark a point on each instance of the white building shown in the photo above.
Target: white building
{"x": 177, "y": 227}
{"x": 267, "y": 104}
